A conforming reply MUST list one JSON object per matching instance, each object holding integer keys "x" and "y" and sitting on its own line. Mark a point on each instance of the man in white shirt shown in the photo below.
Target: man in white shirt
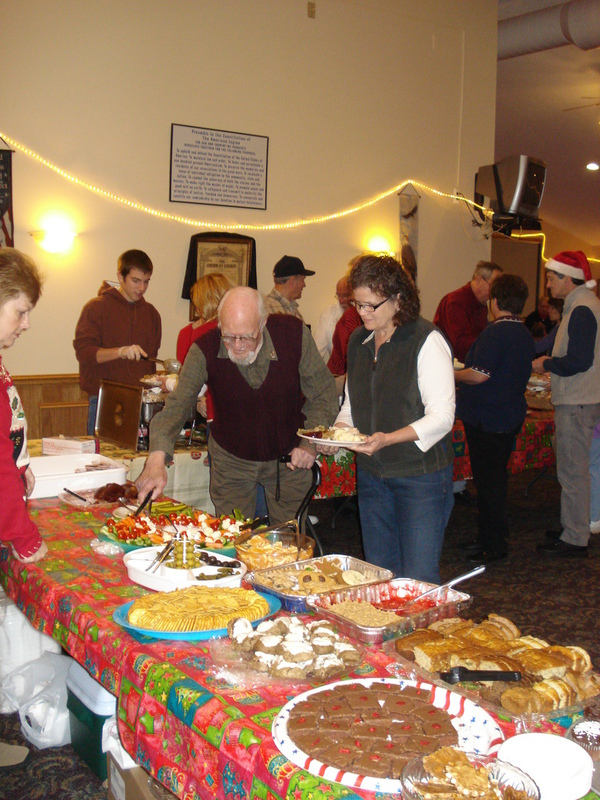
{"x": 329, "y": 318}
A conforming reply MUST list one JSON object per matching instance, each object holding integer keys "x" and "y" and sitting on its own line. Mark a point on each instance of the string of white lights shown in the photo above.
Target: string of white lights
{"x": 221, "y": 226}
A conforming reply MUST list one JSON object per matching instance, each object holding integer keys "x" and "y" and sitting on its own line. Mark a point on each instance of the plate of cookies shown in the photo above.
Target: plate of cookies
{"x": 362, "y": 733}
{"x": 287, "y": 649}
{"x": 455, "y": 775}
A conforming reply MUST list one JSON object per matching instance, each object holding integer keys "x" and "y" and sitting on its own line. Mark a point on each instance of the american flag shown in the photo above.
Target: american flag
{"x": 7, "y": 227}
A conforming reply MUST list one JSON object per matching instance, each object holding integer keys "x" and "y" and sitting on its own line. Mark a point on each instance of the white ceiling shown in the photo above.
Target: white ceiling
{"x": 533, "y": 93}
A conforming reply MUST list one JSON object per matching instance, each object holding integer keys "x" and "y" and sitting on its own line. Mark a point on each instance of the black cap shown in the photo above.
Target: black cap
{"x": 288, "y": 266}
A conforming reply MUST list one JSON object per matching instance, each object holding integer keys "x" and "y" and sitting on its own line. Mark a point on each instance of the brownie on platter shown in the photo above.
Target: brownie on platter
{"x": 372, "y": 730}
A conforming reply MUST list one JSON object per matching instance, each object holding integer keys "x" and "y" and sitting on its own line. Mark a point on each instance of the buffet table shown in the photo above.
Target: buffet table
{"x": 180, "y": 716}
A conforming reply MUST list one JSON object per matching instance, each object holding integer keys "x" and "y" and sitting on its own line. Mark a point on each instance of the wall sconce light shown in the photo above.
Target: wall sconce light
{"x": 379, "y": 243}
{"x": 55, "y": 239}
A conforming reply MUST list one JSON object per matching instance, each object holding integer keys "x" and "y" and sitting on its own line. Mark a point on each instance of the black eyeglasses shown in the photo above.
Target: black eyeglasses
{"x": 368, "y": 307}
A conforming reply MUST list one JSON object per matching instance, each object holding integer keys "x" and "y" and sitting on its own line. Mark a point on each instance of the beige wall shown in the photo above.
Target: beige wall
{"x": 368, "y": 94}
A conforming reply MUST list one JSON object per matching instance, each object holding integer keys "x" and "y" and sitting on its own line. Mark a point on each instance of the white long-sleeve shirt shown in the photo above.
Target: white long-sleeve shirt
{"x": 435, "y": 379}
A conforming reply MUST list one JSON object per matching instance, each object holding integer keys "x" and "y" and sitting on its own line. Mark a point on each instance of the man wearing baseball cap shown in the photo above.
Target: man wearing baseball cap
{"x": 574, "y": 367}
{"x": 288, "y": 274}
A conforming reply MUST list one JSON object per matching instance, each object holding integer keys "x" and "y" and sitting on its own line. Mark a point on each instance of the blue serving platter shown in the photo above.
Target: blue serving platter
{"x": 120, "y": 617}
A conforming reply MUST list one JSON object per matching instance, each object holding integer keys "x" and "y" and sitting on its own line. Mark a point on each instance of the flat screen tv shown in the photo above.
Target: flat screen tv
{"x": 514, "y": 185}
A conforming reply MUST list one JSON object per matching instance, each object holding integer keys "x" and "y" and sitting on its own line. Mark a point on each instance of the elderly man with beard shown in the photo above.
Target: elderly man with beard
{"x": 267, "y": 379}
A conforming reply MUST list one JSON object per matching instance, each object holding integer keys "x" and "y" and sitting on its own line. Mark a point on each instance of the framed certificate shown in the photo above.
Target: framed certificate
{"x": 233, "y": 255}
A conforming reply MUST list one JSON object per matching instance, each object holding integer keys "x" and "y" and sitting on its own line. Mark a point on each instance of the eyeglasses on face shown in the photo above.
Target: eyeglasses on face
{"x": 368, "y": 307}
{"x": 244, "y": 341}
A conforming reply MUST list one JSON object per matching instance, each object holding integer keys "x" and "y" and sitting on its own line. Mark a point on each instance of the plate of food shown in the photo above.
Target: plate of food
{"x": 453, "y": 774}
{"x": 337, "y": 437}
{"x": 362, "y": 733}
{"x": 186, "y": 565}
{"x": 287, "y": 649}
{"x": 193, "y": 614}
{"x": 203, "y": 529}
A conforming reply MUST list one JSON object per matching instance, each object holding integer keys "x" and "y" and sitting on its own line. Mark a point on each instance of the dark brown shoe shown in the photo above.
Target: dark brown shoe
{"x": 562, "y": 549}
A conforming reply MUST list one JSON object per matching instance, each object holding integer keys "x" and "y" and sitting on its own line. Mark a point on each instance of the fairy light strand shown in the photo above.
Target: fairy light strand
{"x": 222, "y": 226}
{"x": 270, "y": 227}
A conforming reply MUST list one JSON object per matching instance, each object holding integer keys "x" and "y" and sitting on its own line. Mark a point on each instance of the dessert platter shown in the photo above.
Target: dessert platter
{"x": 339, "y": 437}
{"x": 554, "y": 684}
{"x": 454, "y": 775}
{"x": 294, "y": 583}
{"x": 362, "y": 733}
{"x": 195, "y": 613}
{"x": 286, "y": 649}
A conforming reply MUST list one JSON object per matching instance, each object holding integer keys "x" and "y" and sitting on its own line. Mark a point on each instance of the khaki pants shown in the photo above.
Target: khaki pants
{"x": 233, "y": 483}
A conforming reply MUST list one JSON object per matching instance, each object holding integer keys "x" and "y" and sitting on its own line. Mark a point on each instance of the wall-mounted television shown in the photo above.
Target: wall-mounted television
{"x": 514, "y": 185}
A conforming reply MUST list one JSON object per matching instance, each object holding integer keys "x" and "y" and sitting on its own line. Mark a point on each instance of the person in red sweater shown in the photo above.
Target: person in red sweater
{"x": 463, "y": 314}
{"x": 116, "y": 330}
{"x": 20, "y": 289}
{"x": 205, "y": 295}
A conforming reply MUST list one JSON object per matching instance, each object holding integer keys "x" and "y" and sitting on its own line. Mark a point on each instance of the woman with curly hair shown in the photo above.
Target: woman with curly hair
{"x": 400, "y": 392}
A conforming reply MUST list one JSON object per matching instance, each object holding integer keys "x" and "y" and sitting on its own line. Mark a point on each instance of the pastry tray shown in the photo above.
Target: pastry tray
{"x": 298, "y": 603}
{"x": 450, "y": 605}
{"x": 524, "y": 723}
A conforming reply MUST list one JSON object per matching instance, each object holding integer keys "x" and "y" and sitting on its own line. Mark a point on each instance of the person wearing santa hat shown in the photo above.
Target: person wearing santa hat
{"x": 574, "y": 367}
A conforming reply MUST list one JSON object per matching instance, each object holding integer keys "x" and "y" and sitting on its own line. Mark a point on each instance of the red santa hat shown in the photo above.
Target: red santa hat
{"x": 573, "y": 263}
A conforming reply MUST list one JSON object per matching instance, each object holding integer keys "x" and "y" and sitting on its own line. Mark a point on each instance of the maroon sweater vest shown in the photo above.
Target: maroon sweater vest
{"x": 258, "y": 424}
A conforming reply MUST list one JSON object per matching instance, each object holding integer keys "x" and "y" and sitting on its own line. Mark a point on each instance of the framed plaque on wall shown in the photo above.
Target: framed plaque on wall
{"x": 231, "y": 254}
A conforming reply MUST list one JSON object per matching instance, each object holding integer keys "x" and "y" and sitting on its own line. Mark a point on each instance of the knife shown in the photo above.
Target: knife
{"x": 457, "y": 674}
{"x": 143, "y": 504}
{"x": 79, "y": 496}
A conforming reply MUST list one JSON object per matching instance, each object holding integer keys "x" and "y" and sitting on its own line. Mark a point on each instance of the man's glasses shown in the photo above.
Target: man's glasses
{"x": 245, "y": 340}
{"x": 368, "y": 307}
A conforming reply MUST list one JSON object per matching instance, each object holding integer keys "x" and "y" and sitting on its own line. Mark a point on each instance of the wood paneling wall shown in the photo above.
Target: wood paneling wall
{"x": 53, "y": 404}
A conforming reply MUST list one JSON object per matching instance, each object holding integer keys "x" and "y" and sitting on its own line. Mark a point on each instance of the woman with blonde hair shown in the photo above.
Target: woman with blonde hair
{"x": 205, "y": 295}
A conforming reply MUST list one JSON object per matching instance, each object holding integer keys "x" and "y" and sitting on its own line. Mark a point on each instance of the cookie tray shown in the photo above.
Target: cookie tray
{"x": 299, "y": 603}
{"x": 450, "y": 605}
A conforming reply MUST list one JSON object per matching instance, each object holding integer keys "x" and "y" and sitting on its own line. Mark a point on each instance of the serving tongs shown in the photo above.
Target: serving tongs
{"x": 459, "y": 674}
{"x": 445, "y": 586}
{"x": 143, "y": 504}
{"x": 161, "y": 556}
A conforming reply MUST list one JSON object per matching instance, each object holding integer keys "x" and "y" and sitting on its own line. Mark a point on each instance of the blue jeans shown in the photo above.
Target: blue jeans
{"x": 403, "y": 521}
{"x": 595, "y": 480}
{"x": 92, "y": 409}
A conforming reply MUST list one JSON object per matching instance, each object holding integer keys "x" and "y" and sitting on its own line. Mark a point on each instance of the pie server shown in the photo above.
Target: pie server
{"x": 457, "y": 674}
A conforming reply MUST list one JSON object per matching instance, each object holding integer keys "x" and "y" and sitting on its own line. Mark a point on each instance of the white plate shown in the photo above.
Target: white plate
{"x": 87, "y": 500}
{"x": 166, "y": 579}
{"x": 329, "y": 442}
{"x": 561, "y": 768}
{"x": 477, "y": 733}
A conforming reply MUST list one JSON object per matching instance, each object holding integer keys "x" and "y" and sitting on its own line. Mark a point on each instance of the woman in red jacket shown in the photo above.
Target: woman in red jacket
{"x": 20, "y": 288}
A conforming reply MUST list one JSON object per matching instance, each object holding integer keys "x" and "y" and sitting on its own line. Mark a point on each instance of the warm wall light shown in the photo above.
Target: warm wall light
{"x": 379, "y": 244}
{"x": 592, "y": 166}
{"x": 56, "y": 236}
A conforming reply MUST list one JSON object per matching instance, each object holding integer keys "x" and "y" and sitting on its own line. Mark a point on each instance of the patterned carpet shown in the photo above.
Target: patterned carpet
{"x": 556, "y": 599}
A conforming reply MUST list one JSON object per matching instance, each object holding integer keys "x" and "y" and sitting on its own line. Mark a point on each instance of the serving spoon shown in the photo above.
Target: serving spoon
{"x": 448, "y": 585}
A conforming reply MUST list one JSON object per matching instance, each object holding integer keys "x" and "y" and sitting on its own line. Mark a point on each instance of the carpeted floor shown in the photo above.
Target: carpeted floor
{"x": 556, "y": 599}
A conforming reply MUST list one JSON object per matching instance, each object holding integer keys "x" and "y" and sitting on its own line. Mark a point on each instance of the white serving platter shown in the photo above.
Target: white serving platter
{"x": 167, "y": 579}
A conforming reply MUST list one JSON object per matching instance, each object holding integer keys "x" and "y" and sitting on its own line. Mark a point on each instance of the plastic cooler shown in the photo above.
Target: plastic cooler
{"x": 90, "y": 705}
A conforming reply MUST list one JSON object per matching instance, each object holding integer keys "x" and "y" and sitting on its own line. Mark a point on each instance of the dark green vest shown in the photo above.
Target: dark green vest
{"x": 385, "y": 396}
